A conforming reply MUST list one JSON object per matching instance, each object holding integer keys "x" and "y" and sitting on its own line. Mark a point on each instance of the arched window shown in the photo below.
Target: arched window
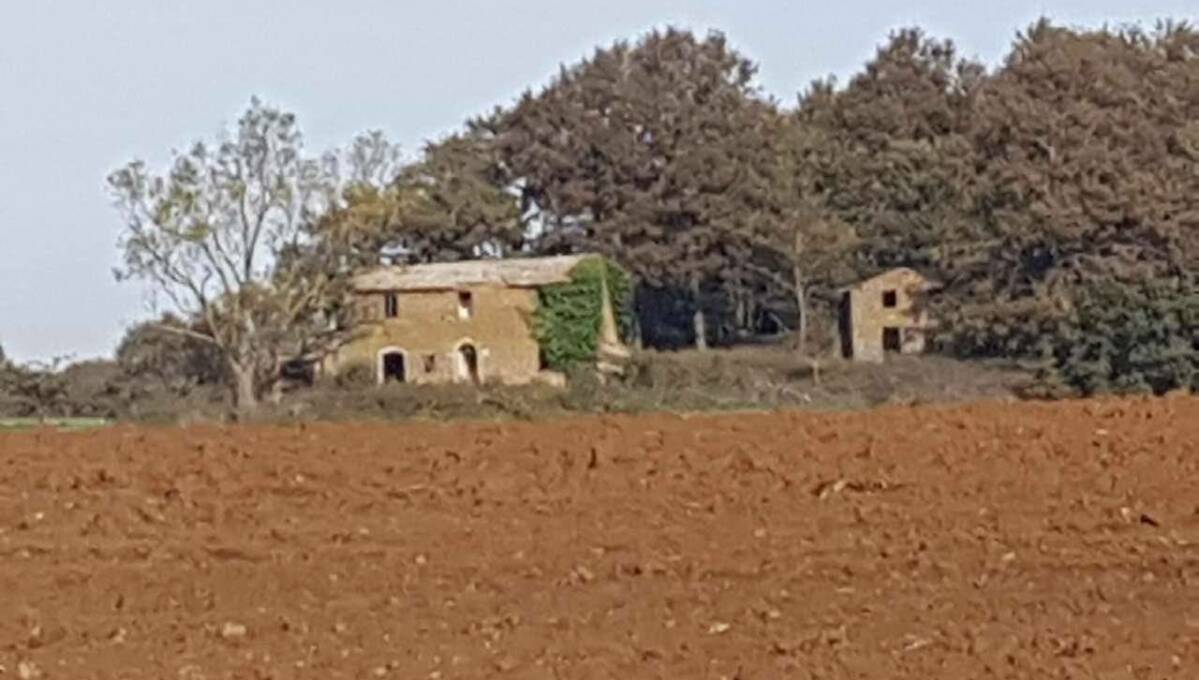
{"x": 468, "y": 363}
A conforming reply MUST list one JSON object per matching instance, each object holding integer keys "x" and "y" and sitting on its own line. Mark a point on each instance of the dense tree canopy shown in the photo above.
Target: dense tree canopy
{"x": 894, "y": 159}
{"x": 652, "y": 153}
{"x": 1056, "y": 196}
{"x": 1086, "y": 177}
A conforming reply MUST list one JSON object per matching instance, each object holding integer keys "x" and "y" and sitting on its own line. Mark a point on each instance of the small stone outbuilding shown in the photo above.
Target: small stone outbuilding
{"x": 883, "y": 315}
{"x": 456, "y": 322}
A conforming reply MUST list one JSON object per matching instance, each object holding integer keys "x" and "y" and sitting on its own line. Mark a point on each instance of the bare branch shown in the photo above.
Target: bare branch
{"x": 188, "y": 333}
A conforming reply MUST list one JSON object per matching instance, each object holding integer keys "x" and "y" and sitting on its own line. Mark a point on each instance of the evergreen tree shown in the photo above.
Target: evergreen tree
{"x": 893, "y": 158}
{"x": 648, "y": 153}
{"x": 1089, "y": 177}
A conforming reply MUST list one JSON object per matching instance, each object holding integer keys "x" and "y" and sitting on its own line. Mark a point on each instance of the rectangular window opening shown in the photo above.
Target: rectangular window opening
{"x": 430, "y": 363}
{"x": 890, "y": 298}
{"x": 466, "y": 304}
{"x": 892, "y": 340}
{"x": 391, "y": 306}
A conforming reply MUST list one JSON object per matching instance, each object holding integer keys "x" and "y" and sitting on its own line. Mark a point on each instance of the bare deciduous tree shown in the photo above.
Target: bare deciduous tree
{"x": 224, "y": 234}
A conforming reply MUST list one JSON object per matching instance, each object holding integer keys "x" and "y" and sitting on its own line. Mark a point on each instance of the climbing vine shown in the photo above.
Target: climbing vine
{"x": 569, "y": 315}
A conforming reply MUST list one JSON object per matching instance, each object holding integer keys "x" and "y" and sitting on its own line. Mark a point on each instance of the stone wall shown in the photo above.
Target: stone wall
{"x": 870, "y": 315}
{"x": 429, "y": 330}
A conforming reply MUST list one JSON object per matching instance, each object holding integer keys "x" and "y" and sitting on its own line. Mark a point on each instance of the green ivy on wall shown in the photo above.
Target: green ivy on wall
{"x": 569, "y": 315}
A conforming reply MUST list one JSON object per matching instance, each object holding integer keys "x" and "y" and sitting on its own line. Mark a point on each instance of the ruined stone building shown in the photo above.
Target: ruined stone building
{"x": 882, "y": 315}
{"x": 456, "y": 322}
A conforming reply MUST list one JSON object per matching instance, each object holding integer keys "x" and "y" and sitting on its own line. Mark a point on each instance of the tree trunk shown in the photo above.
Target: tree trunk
{"x": 245, "y": 388}
{"x": 698, "y": 320}
{"x": 801, "y": 304}
{"x": 741, "y": 315}
{"x": 277, "y": 383}
{"x": 801, "y": 344}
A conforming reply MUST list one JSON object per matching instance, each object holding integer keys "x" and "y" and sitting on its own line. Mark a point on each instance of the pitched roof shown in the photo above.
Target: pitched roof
{"x": 529, "y": 272}
{"x": 926, "y": 284}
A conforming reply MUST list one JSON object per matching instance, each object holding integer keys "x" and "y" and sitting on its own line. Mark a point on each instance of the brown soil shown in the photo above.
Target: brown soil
{"x": 1004, "y": 541}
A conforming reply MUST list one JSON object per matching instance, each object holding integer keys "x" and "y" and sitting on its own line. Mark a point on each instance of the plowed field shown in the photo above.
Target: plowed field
{"x": 987, "y": 541}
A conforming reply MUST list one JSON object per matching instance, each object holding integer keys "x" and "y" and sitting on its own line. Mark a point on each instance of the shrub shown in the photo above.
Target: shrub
{"x": 33, "y": 390}
{"x": 355, "y": 376}
{"x": 1128, "y": 339}
{"x": 179, "y": 363}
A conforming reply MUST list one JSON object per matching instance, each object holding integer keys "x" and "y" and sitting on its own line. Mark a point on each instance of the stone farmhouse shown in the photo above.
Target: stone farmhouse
{"x": 457, "y": 322}
{"x": 881, "y": 315}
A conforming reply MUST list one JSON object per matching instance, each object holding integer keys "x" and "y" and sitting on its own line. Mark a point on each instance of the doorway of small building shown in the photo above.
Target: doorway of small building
{"x": 468, "y": 363}
{"x": 393, "y": 366}
{"x": 845, "y": 325}
{"x": 892, "y": 340}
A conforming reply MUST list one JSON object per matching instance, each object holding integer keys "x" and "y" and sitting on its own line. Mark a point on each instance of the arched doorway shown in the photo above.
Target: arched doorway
{"x": 393, "y": 366}
{"x": 468, "y": 363}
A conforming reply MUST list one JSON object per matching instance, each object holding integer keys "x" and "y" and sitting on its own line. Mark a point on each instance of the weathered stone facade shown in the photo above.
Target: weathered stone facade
{"x": 881, "y": 315}
{"x": 453, "y": 323}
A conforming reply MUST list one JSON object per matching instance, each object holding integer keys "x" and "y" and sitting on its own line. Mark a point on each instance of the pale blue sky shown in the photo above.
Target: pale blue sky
{"x": 86, "y": 85}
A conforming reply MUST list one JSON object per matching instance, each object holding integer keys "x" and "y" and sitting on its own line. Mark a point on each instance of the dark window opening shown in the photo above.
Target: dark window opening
{"x": 543, "y": 362}
{"x": 394, "y": 369}
{"x": 391, "y": 306}
{"x": 890, "y": 298}
{"x": 430, "y": 363}
{"x": 892, "y": 340}
{"x": 470, "y": 362}
{"x": 299, "y": 371}
{"x": 466, "y": 304}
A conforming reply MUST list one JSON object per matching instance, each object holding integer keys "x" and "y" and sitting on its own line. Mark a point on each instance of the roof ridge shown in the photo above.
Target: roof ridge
{"x": 513, "y": 272}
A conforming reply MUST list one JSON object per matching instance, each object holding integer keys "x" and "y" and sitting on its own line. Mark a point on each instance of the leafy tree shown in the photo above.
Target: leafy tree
{"x": 371, "y": 160}
{"x": 1087, "y": 179}
{"x": 457, "y": 205}
{"x": 450, "y": 205}
{"x": 891, "y": 152}
{"x": 815, "y": 251}
{"x": 646, "y": 153}
{"x": 209, "y": 233}
{"x": 873, "y": 175}
{"x": 805, "y": 246}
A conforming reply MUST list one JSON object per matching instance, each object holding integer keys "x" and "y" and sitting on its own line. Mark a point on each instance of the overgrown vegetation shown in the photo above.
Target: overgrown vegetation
{"x": 569, "y": 316}
{"x": 749, "y": 378}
